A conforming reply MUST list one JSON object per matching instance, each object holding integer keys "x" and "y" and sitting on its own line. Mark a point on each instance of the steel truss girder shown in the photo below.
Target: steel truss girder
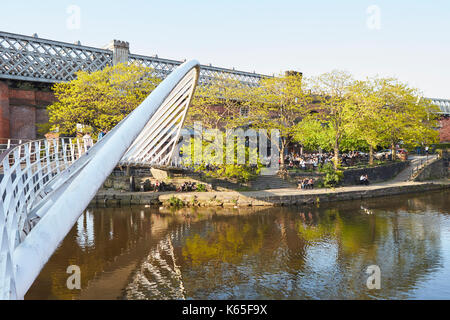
{"x": 443, "y": 104}
{"x": 42, "y": 60}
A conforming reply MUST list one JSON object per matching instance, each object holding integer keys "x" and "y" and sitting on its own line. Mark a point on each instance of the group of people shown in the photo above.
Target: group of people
{"x": 307, "y": 161}
{"x": 305, "y": 184}
{"x": 353, "y": 157}
{"x": 187, "y": 187}
{"x": 313, "y": 161}
{"x": 87, "y": 138}
{"x": 161, "y": 186}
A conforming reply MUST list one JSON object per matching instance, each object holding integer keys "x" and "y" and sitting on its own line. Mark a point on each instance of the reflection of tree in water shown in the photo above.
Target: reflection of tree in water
{"x": 276, "y": 253}
{"x": 226, "y": 243}
{"x": 316, "y": 228}
{"x": 315, "y": 253}
{"x": 404, "y": 241}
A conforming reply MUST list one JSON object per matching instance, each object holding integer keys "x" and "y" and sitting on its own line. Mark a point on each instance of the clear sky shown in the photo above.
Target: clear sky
{"x": 407, "y": 39}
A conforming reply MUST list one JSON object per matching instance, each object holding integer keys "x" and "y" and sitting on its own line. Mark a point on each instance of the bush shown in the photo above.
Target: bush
{"x": 241, "y": 173}
{"x": 332, "y": 177}
{"x": 444, "y": 146}
{"x": 319, "y": 184}
{"x": 201, "y": 188}
{"x": 175, "y": 202}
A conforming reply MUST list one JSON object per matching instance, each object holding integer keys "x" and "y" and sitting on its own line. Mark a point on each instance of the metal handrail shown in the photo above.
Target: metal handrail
{"x": 422, "y": 165}
{"x": 7, "y": 143}
{"x": 27, "y": 169}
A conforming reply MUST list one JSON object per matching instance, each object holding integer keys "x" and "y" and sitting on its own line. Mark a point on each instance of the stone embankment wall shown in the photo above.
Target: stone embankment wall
{"x": 122, "y": 183}
{"x": 375, "y": 174}
{"x": 286, "y": 197}
{"x": 351, "y": 176}
{"x": 438, "y": 169}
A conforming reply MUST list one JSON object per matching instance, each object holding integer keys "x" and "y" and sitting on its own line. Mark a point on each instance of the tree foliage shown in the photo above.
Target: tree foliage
{"x": 241, "y": 165}
{"x": 218, "y": 103}
{"x": 390, "y": 112}
{"x": 376, "y": 112}
{"x": 279, "y": 103}
{"x": 336, "y": 109}
{"x": 100, "y": 99}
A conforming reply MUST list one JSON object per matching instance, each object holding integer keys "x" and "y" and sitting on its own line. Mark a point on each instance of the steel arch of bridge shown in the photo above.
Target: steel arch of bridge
{"x": 46, "y": 185}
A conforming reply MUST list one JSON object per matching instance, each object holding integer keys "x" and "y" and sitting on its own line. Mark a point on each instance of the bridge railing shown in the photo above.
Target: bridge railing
{"x": 6, "y": 144}
{"x": 26, "y": 170}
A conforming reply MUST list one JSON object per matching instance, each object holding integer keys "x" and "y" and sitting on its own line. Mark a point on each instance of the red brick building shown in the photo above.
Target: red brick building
{"x": 22, "y": 109}
{"x": 444, "y": 130}
{"x": 444, "y": 121}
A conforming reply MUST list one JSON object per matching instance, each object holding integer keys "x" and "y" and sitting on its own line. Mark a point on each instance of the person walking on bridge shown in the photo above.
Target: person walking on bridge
{"x": 87, "y": 140}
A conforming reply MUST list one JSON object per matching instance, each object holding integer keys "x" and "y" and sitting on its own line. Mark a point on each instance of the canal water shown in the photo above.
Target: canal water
{"x": 314, "y": 252}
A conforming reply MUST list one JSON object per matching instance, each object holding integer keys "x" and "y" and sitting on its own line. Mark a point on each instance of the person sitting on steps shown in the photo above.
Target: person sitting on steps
{"x": 364, "y": 179}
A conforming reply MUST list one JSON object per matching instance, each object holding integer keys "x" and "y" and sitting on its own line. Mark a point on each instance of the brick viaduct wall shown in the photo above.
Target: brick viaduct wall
{"x": 444, "y": 131}
{"x": 21, "y": 110}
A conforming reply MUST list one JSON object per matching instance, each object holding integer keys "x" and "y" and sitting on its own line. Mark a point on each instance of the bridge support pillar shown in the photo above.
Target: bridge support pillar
{"x": 4, "y": 111}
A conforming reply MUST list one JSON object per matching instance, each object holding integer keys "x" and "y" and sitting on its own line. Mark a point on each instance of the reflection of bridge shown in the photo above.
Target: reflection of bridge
{"x": 47, "y": 185}
{"x": 159, "y": 277}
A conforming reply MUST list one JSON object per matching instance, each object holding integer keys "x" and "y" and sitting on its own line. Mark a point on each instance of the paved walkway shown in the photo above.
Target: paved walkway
{"x": 285, "y": 196}
{"x": 290, "y": 196}
{"x": 293, "y": 191}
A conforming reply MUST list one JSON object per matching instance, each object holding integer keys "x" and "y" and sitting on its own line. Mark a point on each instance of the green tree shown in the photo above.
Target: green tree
{"x": 100, "y": 99}
{"x": 369, "y": 122}
{"x": 402, "y": 116}
{"x": 279, "y": 103}
{"x": 332, "y": 89}
{"x": 217, "y": 103}
{"x": 313, "y": 134}
{"x": 244, "y": 166}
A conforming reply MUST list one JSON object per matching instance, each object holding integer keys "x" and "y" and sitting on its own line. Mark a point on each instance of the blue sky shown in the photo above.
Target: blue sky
{"x": 412, "y": 43}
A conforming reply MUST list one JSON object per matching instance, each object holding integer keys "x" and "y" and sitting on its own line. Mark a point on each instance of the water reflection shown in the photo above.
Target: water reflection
{"x": 85, "y": 230}
{"x": 319, "y": 252}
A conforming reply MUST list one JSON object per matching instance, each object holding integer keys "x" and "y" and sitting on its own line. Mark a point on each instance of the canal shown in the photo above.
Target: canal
{"x": 311, "y": 252}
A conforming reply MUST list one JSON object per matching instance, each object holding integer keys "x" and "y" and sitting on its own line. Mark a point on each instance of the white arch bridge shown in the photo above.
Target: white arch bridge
{"x": 46, "y": 185}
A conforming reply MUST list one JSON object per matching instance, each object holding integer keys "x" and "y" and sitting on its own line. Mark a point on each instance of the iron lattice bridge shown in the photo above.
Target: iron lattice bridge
{"x": 46, "y": 185}
{"x": 40, "y": 60}
{"x": 33, "y": 59}
{"x": 443, "y": 104}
